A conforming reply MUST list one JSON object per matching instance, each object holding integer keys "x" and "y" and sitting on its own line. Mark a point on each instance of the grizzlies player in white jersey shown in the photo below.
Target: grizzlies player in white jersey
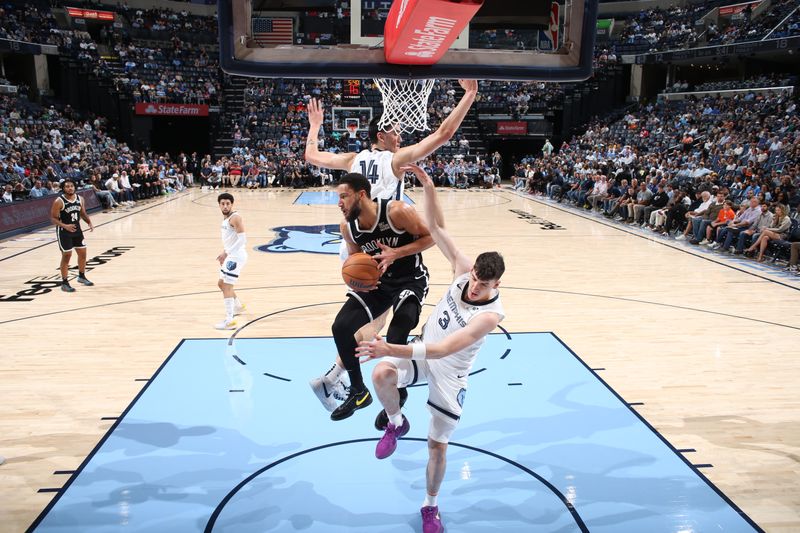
{"x": 66, "y": 213}
{"x": 231, "y": 260}
{"x": 381, "y": 164}
{"x": 450, "y": 341}
{"x": 383, "y": 169}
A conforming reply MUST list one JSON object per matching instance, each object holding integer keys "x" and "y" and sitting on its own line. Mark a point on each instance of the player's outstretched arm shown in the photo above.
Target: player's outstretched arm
{"x": 478, "y": 327}
{"x": 435, "y": 219}
{"x": 445, "y": 131}
{"x": 313, "y": 154}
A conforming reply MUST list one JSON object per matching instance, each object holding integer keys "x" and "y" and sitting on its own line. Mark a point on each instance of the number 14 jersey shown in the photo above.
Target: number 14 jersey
{"x": 376, "y": 165}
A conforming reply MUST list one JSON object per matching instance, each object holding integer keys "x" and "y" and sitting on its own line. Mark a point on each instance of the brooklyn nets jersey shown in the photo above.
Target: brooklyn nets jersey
{"x": 453, "y": 313}
{"x": 229, "y": 238}
{"x": 383, "y": 231}
{"x": 376, "y": 165}
{"x": 71, "y": 212}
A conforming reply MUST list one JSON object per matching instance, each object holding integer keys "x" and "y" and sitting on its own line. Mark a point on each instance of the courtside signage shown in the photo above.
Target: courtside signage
{"x": 182, "y": 110}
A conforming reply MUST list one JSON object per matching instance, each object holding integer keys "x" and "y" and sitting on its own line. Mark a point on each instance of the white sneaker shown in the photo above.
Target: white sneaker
{"x": 239, "y": 309}
{"x": 704, "y": 242}
{"x": 680, "y": 237}
{"x": 226, "y": 324}
{"x": 328, "y": 393}
{"x": 324, "y": 393}
{"x": 715, "y": 245}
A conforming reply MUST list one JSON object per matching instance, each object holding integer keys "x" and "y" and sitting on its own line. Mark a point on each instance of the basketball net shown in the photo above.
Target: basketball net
{"x": 353, "y": 129}
{"x": 405, "y": 104}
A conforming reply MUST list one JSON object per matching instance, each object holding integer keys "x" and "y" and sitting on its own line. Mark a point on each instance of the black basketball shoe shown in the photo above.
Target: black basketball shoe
{"x": 382, "y": 419}
{"x": 357, "y": 399}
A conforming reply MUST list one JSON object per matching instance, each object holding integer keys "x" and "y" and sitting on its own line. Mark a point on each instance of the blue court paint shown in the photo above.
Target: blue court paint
{"x": 561, "y": 452}
{"x": 327, "y": 198}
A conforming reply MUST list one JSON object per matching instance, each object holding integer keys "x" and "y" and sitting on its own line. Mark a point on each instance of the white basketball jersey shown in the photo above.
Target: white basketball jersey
{"x": 452, "y": 313}
{"x": 229, "y": 238}
{"x": 376, "y": 165}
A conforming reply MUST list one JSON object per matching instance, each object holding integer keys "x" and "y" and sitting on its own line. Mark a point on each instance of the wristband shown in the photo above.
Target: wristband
{"x": 418, "y": 351}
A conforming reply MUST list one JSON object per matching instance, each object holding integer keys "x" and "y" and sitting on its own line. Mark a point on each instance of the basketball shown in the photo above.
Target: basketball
{"x": 360, "y": 271}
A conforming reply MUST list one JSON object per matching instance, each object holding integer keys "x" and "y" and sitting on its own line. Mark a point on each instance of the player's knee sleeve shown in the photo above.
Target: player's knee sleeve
{"x": 406, "y": 318}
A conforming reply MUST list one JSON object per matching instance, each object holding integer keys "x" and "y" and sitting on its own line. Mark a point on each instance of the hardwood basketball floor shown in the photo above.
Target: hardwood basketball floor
{"x": 709, "y": 345}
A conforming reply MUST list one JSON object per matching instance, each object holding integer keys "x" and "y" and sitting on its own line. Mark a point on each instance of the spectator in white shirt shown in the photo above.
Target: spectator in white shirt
{"x": 702, "y": 208}
{"x": 126, "y": 191}
{"x": 112, "y": 186}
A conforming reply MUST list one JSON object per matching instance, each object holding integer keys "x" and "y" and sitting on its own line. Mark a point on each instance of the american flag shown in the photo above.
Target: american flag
{"x": 273, "y": 31}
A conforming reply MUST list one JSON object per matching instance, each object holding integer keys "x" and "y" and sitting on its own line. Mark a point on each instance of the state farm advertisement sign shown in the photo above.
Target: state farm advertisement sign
{"x": 512, "y": 128}
{"x": 180, "y": 110}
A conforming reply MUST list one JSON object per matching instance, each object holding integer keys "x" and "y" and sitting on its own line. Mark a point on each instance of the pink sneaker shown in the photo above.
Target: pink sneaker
{"x": 388, "y": 443}
{"x": 431, "y": 521}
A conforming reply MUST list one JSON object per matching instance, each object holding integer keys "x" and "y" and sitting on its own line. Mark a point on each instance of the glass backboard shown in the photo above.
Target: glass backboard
{"x": 506, "y": 40}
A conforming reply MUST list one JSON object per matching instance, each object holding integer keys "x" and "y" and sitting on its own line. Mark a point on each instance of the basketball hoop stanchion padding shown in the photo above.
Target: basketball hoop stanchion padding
{"x": 419, "y": 32}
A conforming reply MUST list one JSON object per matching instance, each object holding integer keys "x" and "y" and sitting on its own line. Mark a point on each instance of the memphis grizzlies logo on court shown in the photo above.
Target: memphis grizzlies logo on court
{"x": 311, "y": 239}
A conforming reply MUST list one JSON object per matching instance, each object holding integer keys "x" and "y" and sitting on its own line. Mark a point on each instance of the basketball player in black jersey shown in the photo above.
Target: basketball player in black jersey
{"x": 66, "y": 214}
{"x": 373, "y": 227}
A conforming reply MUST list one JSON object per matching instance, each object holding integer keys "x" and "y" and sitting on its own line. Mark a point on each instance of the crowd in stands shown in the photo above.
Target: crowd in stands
{"x": 166, "y": 24}
{"x": 504, "y": 39}
{"x": 768, "y": 80}
{"x": 724, "y": 172}
{"x": 658, "y": 29}
{"x": 181, "y": 72}
{"x": 184, "y": 69}
{"x": 34, "y": 23}
{"x": 26, "y": 22}
{"x": 790, "y": 28}
{"x": 750, "y": 27}
{"x": 518, "y": 98}
{"x": 42, "y": 146}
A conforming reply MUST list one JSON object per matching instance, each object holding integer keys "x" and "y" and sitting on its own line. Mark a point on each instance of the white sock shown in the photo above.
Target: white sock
{"x": 335, "y": 373}
{"x": 396, "y": 419}
{"x": 430, "y": 501}
{"x": 237, "y": 302}
{"x": 228, "y": 308}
